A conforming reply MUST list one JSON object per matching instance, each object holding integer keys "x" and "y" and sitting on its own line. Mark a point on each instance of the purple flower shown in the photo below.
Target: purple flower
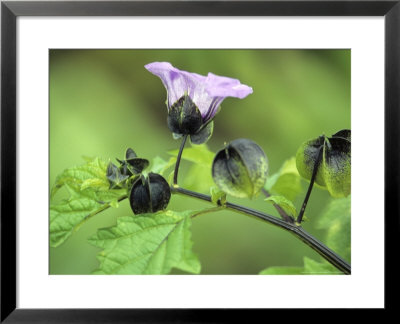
{"x": 195, "y": 92}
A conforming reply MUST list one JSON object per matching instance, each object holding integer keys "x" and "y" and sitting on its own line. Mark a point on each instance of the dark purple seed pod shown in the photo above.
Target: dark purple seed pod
{"x": 149, "y": 194}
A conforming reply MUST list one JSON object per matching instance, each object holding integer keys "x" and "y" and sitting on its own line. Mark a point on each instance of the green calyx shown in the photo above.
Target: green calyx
{"x": 334, "y": 166}
{"x": 240, "y": 169}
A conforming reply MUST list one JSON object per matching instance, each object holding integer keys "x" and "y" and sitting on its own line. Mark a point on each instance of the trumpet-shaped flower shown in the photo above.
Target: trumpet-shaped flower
{"x": 192, "y": 99}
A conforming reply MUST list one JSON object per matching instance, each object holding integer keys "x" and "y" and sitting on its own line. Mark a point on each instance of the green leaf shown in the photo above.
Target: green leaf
{"x": 114, "y": 203}
{"x": 160, "y": 166}
{"x": 283, "y": 271}
{"x": 336, "y": 219}
{"x": 68, "y": 215}
{"x": 198, "y": 177}
{"x": 94, "y": 182}
{"x": 88, "y": 191}
{"x": 284, "y": 203}
{"x": 199, "y": 154}
{"x": 217, "y": 195}
{"x": 311, "y": 267}
{"x": 91, "y": 174}
{"x": 286, "y": 182}
{"x": 147, "y": 244}
{"x": 316, "y": 268}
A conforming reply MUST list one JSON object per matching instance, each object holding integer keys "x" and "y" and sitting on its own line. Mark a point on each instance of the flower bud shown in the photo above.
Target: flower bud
{"x": 240, "y": 169}
{"x": 150, "y": 194}
{"x": 184, "y": 117}
{"x": 334, "y": 169}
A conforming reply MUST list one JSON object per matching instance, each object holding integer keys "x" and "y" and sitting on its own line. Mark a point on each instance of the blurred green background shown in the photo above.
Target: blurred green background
{"x": 103, "y": 101}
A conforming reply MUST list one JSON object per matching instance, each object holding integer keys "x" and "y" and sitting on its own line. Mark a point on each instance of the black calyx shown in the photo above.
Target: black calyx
{"x": 149, "y": 194}
{"x": 115, "y": 177}
{"x": 184, "y": 117}
{"x": 127, "y": 172}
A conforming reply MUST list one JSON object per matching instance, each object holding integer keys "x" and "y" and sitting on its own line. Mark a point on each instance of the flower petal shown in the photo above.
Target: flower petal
{"x": 206, "y": 92}
{"x": 219, "y": 86}
{"x": 177, "y": 82}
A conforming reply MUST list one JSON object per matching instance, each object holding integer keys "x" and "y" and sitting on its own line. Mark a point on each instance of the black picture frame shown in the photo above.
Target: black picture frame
{"x": 10, "y": 10}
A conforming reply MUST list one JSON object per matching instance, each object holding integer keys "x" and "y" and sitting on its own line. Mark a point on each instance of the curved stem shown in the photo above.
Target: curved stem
{"x": 298, "y": 231}
{"x": 178, "y": 160}
{"x": 322, "y": 250}
{"x": 313, "y": 176}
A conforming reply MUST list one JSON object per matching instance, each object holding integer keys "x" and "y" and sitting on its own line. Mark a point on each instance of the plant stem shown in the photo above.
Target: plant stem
{"x": 178, "y": 160}
{"x": 284, "y": 215}
{"x": 313, "y": 176}
{"x": 296, "y": 230}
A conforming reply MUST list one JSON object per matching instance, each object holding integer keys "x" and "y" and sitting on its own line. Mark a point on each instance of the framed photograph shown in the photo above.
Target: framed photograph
{"x": 164, "y": 158}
